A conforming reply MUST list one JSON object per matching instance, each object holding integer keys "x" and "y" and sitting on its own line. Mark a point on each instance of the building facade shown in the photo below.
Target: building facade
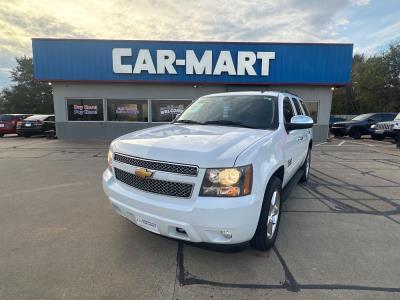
{"x": 105, "y": 88}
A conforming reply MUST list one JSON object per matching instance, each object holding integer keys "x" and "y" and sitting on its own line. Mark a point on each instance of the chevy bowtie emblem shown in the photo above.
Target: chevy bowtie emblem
{"x": 144, "y": 173}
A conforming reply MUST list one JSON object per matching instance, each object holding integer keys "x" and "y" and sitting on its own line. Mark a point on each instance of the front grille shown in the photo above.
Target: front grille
{"x": 156, "y": 186}
{"x": 385, "y": 126}
{"x": 157, "y": 165}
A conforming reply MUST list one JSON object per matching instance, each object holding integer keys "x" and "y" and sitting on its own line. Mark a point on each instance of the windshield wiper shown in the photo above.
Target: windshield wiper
{"x": 189, "y": 122}
{"x": 229, "y": 123}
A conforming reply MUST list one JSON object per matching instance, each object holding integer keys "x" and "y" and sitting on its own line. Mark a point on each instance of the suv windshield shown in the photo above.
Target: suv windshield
{"x": 259, "y": 112}
{"x": 362, "y": 117}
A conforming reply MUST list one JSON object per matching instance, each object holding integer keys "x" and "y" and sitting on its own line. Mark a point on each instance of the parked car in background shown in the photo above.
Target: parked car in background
{"x": 8, "y": 123}
{"x": 382, "y": 130}
{"x": 37, "y": 125}
{"x": 360, "y": 125}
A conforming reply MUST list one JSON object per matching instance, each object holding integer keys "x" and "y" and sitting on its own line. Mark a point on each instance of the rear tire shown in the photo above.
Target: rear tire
{"x": 268, "y": 223}
{"x": 306, "y": 168}
{"x": 355, "y": 133}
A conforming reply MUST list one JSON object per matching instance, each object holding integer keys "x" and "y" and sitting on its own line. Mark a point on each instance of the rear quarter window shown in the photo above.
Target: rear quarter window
{"x": 6, "y": 117}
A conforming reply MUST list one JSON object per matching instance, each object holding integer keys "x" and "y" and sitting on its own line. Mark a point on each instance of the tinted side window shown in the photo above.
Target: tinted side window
{"x": 388, "y": 117}
{"x": 297, "y": 105}
{"x": 6, "y": 118}
{"x": 127, "y": 110}
{"x": 376, "y": 118}
{"x": 287, "y": 110}
{"x": 166, "y": 110}
{"x": 85, "y": 109}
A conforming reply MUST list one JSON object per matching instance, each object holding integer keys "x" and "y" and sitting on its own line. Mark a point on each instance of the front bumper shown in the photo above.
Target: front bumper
{"x": 4, "y": 130}
{"x": 339, "y": 130}
{"x": 202, "y": 219}
{"x": 31, "y": 131}
{"x": 388, "y": 133}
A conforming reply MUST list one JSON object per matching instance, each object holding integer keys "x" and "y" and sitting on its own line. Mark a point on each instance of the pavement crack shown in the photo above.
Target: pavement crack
{"x": 179, "y": 273}
{"x": 290, "y": 282}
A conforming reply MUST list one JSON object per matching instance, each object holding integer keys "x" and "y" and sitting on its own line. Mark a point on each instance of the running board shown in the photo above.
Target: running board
{"x": 291, "y": 184}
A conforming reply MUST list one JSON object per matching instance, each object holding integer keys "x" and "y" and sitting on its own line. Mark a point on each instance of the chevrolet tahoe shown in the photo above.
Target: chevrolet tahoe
{"x": 216, "y": 173}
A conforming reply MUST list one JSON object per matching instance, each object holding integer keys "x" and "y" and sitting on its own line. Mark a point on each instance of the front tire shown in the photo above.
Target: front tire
{"x": 268, "y": 224}
{"x": 355, "y": 133}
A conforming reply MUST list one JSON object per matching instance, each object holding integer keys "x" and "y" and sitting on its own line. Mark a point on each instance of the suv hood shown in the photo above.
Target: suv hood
{"x": 202, "y": 145}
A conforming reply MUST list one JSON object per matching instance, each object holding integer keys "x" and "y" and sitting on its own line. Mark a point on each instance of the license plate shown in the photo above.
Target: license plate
{"x": 28, "y": 125}
{"x": 1, "y": 125}
{"x": 150, "y": 226}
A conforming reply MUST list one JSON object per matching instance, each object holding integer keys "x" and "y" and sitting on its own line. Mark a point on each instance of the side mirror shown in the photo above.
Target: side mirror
{"x": 299, "y": 122}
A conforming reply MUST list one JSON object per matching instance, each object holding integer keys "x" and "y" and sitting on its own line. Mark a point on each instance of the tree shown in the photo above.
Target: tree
{"x": 375, "y": 85}
{"x": 26, "y": 95}
{"x": 392, "y": 60}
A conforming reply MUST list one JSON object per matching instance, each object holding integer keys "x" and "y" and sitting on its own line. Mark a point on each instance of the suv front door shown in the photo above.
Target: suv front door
{"x": 293, "y": 149}
{"x": 306, "y": 133}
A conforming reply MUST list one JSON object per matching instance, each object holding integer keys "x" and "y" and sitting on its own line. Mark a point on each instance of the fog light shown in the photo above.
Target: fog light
{"x": 226, "y": 234}
{"x": 180, "y": 230}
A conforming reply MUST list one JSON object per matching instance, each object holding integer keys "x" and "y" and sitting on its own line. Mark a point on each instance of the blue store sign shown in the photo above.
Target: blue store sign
{"x": 192, "y": 62}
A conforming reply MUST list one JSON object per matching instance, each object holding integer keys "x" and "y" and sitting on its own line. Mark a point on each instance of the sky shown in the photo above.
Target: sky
{"x": 371, "y": 25}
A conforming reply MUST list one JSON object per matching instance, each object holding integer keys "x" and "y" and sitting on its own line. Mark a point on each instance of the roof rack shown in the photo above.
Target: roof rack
{"x": 289, "y": 92}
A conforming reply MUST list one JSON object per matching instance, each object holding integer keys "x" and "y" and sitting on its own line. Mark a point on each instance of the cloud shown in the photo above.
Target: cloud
{"x": 378, "y": 40}
{"x": 222, "y": 20}
{"x": 290, "y": 20}
{"x": 342, "y": 21}
{"x": 360, "y": 2}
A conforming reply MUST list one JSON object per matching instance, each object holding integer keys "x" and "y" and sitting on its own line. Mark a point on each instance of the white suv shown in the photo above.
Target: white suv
{"x": 216, "y": 173}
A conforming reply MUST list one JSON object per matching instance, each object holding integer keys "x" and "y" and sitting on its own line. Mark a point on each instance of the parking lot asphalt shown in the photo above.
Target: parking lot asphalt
{"x": 59, "y": 238}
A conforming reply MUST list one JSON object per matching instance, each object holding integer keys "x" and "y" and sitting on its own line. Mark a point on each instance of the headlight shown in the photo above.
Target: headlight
{"x": 373, "y": 126}
{"x": 228, "y": 182}
{"x": 110, "y": 159}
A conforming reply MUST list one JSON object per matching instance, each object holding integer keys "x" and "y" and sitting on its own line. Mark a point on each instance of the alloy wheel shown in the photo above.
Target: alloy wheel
{"x": 273, "y": 214}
